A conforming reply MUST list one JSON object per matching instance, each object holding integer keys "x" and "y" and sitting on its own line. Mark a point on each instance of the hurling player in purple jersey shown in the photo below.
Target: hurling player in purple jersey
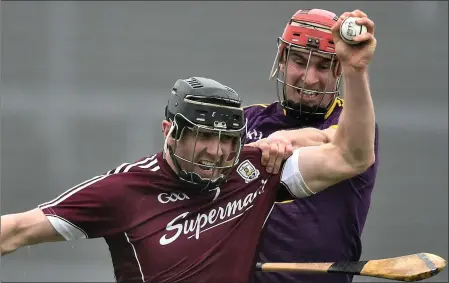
{"x": 308, "y": 68}
{"x": 194, "y": 212}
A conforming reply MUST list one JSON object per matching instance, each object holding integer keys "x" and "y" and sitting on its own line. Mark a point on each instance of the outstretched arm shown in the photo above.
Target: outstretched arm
{"x": 88, "y": 210}
{"x": 26, "y": 228}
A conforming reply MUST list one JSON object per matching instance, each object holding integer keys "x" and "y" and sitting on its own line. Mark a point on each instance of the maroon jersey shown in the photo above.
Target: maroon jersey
{"x": 159, "y": 230}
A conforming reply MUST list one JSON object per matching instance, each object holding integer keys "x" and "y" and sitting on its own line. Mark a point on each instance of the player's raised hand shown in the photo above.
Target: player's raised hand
{"x": 355, "y": 57}
{"x": 275, "y": 149}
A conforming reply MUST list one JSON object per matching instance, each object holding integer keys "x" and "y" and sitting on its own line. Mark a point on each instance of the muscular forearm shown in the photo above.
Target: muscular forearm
{"x": 356, "y": 128}
{"x": 8, "y": 240}
{"x": 26, "y": 228}
{"x": 304, "y": 137}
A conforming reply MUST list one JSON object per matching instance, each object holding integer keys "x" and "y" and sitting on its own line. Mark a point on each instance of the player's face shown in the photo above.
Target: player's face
{"x": 318, "y": 74}
{"x": 205, "y": 148}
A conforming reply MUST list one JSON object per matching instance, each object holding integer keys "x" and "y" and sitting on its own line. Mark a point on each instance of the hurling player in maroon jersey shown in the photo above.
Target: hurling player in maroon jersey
{"x": 194, "y": 212}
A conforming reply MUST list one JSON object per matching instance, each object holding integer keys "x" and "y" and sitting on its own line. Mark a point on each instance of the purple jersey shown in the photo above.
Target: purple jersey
{"x": 323, "y": 227}
{"x": 159, "y": 230}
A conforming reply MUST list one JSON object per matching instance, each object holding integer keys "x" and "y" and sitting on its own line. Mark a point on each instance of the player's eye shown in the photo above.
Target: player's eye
{"x": 203, "y": 135}
{"x": 227, "y": 138}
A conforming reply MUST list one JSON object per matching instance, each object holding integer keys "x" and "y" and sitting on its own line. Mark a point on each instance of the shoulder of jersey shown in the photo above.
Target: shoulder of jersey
{"x": 339, "y": 102}
{"x": 335, "y": 109}
{"x": 146, "y": 164}
{"x": 249, "y": 166}
{"x": 256, "y": 106}
{"x": 256, "y": 109}
{"x": 249, "y": 152}
{"x": 260, "y": 107}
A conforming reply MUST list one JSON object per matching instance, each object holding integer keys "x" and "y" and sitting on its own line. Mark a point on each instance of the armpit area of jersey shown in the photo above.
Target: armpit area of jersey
{"x": 284, "y": 194}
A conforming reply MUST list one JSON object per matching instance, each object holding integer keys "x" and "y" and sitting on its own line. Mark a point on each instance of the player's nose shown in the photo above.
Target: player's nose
{"x": 214, "y": 147}
{"x": 311, "y": 76}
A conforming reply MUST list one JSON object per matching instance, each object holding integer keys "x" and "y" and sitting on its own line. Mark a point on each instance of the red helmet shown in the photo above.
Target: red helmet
{"x": 307, "y": 31}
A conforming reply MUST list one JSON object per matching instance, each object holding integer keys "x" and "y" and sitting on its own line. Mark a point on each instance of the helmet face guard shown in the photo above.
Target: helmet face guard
{"x": 185, "y": 164}
{"x": 308, "y": 32}
{"x": 217, "y": 119}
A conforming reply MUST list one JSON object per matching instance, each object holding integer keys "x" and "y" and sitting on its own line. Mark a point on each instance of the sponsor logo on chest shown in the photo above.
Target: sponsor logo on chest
{"x": 171, "y": 197}
{"x": 202, "y": 222}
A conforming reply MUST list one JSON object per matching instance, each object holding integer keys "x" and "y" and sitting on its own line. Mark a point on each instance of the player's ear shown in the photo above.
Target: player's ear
{"x": 282, "y": 65}
{"x": 166, "y": 125}
{"x": 282, "y": 61}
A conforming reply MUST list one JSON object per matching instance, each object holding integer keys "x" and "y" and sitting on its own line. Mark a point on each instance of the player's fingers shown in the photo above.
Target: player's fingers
{"x": 363, "y": 37}
{"x": 335, "y": 29}
{"x": 345, "y": 15}
{"x": 265, "y": 148}
{"x": 359, "y": 14}
{"x": 279, "y": 158}
{"x": 288, "y": 151}
{"x": 274, "y": 149}
{"x": 252, "y": 144}
{"x": 368, "y": 23}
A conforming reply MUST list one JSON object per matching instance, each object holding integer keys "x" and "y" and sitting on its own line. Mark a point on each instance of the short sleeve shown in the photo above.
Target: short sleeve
{"x": 91, "y": 209}
{"x": 292, "y": 179}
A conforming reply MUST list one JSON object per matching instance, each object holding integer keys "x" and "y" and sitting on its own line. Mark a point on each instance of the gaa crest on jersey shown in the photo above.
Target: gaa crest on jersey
{"x": 247, "y": 171}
